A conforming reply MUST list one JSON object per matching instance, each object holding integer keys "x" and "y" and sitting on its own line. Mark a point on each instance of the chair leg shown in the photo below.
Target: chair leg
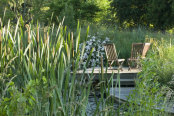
{"x": 109, "y": 64}
{"x": 138, "y": 64}
{"x": 129, "y": 69}
{"x": 120, "y": 65}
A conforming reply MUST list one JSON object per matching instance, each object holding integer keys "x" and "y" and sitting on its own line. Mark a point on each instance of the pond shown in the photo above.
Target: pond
{"x": 92, "y": 105}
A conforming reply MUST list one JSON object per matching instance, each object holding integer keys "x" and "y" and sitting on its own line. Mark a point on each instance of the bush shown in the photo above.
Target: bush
{"x": 98, "y": 51}
{"x": 155, "y": 89}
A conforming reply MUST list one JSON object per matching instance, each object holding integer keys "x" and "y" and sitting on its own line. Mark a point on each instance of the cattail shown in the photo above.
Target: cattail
{"x": 37, "y": 35}
{"x": 28, "y": 29}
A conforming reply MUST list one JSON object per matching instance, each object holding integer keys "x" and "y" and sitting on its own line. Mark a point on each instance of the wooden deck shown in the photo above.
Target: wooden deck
{"x": 126, "y": 77}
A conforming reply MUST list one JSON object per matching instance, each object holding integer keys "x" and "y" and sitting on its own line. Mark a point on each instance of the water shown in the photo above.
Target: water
{"x": 92, "y": 105}
{"x": 93, "y": 100}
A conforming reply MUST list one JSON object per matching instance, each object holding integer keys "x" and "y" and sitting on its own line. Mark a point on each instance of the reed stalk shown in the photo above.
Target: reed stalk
{"x": 38, "y": 40}
{"x": 72, "y": 50}
{"x": 28, "y": 30}
{"x": 47, "y": 40}
{"x": 44, "y": 35}
{"x": 102, "y": 70}
{"x": 0, "y": 43}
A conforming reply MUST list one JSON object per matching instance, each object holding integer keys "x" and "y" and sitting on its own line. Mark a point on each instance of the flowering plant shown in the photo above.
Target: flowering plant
{"x": 98, "y": 51}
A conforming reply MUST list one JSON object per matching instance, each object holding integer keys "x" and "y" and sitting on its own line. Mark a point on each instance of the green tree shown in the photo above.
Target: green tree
{"x": 84, "y": 10}
{"x": 159, "y": 13}
{"x": 130, "y": 11}
{"x": 27, "y": 9}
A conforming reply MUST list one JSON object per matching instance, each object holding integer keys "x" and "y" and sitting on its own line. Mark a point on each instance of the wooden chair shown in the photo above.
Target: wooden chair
{"x": 145, "y": 49}
{"x": 138, "y": 52}
{"x": 111, "y": 55}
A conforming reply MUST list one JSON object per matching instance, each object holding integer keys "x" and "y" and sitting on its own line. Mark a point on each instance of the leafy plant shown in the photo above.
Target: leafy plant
{"x": 98, "y": 51}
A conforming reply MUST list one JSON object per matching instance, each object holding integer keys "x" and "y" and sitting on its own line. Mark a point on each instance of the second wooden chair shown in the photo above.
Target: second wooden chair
{"x": 111, "y": 55}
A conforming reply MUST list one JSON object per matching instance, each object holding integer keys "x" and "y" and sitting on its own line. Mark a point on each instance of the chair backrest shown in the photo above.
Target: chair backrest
{"x": 145, "y": 49}
{"x": 110, "y": 51}
{"x": 137, "y": 50}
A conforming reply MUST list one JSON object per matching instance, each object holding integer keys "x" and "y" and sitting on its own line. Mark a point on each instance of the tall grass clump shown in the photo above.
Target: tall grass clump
{"x": 38, "y": 67}
{"x": 154, "y": 91}
{"x": 35, "y": 72}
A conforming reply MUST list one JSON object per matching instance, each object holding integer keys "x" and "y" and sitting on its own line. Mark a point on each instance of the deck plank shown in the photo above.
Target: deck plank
{"x": 127, "y": 78}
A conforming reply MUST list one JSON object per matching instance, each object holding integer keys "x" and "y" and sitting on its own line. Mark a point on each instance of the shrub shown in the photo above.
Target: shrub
{"x": 98, "y": 51}
{"x": 155, "y": 89}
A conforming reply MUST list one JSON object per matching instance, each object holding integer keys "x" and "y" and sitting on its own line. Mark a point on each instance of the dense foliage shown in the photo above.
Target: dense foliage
{"x": 98, "y": 51}
{"x": 154, "y": 91}
{"x": 156, "y": 13}
{"x": 38, "y": 74}
{"x": 53, "y": 11}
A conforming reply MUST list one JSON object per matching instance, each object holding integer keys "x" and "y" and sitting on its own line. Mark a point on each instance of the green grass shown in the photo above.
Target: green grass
{"x": 123, "y": 39}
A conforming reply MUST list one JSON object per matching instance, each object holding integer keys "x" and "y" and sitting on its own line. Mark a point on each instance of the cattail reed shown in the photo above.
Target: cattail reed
{"x": 53, "y": 51}
{"x": 28, "y": 29}
{"x": 37, "y": 40}
{"x": 0, "y": 43}
{"x": 44, "y": 35}
{"x": 102, "y": 70}
{"x": 47, "y": 40}
{"x": 72, "y": 51}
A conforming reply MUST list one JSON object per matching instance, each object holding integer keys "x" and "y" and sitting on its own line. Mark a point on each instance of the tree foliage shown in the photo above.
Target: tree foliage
{"x": 159, "y": 13}
{"x": 53, "y": 11}
{"x": 85, "y": 10}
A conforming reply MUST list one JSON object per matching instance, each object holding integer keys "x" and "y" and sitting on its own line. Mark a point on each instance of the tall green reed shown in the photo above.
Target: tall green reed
{"x": 38, "y": 73}
{"x": 46, "y": 64}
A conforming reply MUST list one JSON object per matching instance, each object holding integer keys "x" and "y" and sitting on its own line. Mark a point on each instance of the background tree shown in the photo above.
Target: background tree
{"x": 160, "y": 13}
{"x": 72, "y": 10}
{"x": 130, "y": 11}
